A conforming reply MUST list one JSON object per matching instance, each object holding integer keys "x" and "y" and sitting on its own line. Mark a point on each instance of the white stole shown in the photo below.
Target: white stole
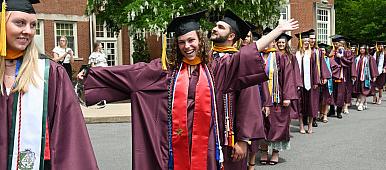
{"x": 380, "y": 62}
{"x": 29, "y": 134}
{"x": 307, "y": 69}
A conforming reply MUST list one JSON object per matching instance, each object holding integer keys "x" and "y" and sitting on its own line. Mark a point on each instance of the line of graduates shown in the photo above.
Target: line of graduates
{"x": 197, "y": 108}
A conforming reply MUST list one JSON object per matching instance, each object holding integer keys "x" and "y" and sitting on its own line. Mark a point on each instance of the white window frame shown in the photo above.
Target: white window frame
{"x": 75, "y": 33}
{"x": 327, "y": 23}
{"x": 40, "y": 27}
{"x": 287, "y": 7}
{"x": 105, "y": 32}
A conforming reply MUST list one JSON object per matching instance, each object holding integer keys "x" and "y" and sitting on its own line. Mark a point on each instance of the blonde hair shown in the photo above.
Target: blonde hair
{"x": 28, "y": 72}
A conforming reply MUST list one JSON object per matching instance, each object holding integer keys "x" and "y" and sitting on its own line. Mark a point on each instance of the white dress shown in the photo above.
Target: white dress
{"x": 99, "y": 59}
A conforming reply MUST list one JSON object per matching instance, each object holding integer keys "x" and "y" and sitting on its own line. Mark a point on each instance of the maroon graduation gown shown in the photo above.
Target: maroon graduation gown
{"x": 277, "y": 122}
{"x": 295, "y": 107}
{"x": 359, "y": 86}
{"x": 381, "y": 79}
{"x": 147, "y": 87}
{"x": 310, "y": 98}
{"x": 326, "y": 98}
{"x": 69, "y": 141}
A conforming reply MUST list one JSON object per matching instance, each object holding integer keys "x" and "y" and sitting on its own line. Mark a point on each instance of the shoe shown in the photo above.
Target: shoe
{"x": 325, "y": 120}
{"x": 339, "y": 115}
{"x": 274, "y": 162}
{"x": 302, "y": 131}
{"x": 360, "y": 107}
{"x": 379, "y": 101}
{"x": 314, "y": 124}
{"x": 375, "y": 99}
{"x": 263, "y": 161}
{"x": 345, "y": 111}
{"x": 365, "y": 106}
{"x": 331, "y": 112}
{"x": 101, "y": 104}
{"x": 357, "y": 103}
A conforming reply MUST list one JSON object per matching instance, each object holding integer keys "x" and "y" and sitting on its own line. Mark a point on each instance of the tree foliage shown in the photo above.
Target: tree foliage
{"x": 153, "y": 15}
{"x": 363, "y": 21}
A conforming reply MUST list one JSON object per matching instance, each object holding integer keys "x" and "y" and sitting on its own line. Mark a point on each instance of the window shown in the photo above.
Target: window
{"x": 323, "y": 25}
{"x": 284, "y": 13}
{"x": 39, "y": 36}
{"x": 110, "y": 50}
{"x": 68, "y": 30}
{"x": 101, "y": 30}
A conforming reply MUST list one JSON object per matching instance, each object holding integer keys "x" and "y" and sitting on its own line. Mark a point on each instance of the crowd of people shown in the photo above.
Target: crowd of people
{"x": 212, "y": 103}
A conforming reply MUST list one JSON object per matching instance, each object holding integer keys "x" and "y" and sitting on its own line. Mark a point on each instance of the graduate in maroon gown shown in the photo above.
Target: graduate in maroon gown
{"x": 176, "y": 102}
{"x": 343, "y": 85}
{"x": 381, "y": 67}
{"x": 41, "y": 123}
{"x": 241, "y": 116}
{"x": 314, "y": 73}
{"x": 367, "y": 73}
{"x": 278, "y": 92}
{"x": 326, "y": 96}
{"x": 316, "y": 52}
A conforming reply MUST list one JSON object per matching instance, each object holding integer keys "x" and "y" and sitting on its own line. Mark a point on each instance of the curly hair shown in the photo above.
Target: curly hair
{"x": 175, "y": 57}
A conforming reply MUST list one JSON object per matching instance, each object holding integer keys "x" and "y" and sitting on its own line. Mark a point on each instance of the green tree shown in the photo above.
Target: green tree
{"x": 152, "y": 16}
{"x": 363, "y": 21}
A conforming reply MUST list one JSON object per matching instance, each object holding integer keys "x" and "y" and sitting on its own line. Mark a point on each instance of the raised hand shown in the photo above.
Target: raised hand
{"x": 288, "y": 25}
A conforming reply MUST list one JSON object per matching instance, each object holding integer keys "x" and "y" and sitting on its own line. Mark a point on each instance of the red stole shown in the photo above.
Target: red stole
{"x": 197, "y": 158}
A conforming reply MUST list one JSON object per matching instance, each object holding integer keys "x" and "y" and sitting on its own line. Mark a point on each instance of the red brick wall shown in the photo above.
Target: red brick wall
{"x": 304, "y": 12}
{"x": 125, "y": 46}
{"x": 155, "y": 46}
{"x": 67, "y": 7}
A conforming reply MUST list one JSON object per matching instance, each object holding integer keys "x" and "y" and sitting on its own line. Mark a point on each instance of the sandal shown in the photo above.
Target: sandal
{"x": 263, "y": 162}
{"x": 271, "y": 162}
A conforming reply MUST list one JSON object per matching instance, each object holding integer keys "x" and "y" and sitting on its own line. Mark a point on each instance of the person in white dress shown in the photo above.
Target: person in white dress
{"x": 64, "y": 55}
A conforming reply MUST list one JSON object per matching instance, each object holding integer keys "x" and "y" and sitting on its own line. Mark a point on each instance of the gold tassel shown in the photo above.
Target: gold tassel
{"x": 163, "y": 57}
{"x": 300, "y": 40}
{"x": 376, "y": 46}
{"x": 333, "y": 46}
{"x": 3, "y": 34}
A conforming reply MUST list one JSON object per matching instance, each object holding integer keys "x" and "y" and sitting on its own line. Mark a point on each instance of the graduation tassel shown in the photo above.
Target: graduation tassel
{"x": 3, "y": 34}
{"x": 163, "y": 57}
{"x": 300, "y": 40}
{"x": 376, "y": 46}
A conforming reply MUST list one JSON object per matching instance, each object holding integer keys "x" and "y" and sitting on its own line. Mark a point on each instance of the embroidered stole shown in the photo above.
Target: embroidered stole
{"x": 28, "y": 130}
{"x": 204, "y": 112}
{"x": 364, "y": 70}
{"x": 271, "y": 69}
{"x": 317, "y": 54}
{"x": 329, "y": 81}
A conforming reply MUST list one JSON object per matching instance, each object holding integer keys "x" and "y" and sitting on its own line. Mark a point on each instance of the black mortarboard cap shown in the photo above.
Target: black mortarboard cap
{"x": 21, "y": 5}
{"x": 323, "y": 45}
{"x": 238, "y": 25}
{"x": 184, "y": 24}
{"x": 267, "y": 30}
{"x": 304, "y": 35}
{"x": 284, "y": 36}
{"x": 311, "y": 32}
{"x": 337, "y": 38}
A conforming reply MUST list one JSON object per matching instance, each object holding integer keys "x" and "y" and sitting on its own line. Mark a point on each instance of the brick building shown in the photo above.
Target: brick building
{"x": 316, "y": 14}
{"x": 67, "y": 17}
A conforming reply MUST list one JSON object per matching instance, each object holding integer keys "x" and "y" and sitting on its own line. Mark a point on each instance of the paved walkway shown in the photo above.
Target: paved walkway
{"x": 111, "y": 113}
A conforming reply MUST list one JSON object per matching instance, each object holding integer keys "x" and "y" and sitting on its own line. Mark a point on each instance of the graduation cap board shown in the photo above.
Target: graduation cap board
{"x": 21, "y": 5}
{"x": 323, "y": 45}
{"x": 12, "y": 5}
{"x": 238, "y": 25}
{"x": 311, "y": 33}
{"x": 267, "y": 31}
{"x": 337, "y": 38}
{"x": 184, "y": 24}
{"x": 284, "y": 36}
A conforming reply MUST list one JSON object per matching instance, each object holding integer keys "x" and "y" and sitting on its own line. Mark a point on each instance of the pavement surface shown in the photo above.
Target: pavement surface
{"x": 111, "y": 113}
{"x": 355, "y": 142}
